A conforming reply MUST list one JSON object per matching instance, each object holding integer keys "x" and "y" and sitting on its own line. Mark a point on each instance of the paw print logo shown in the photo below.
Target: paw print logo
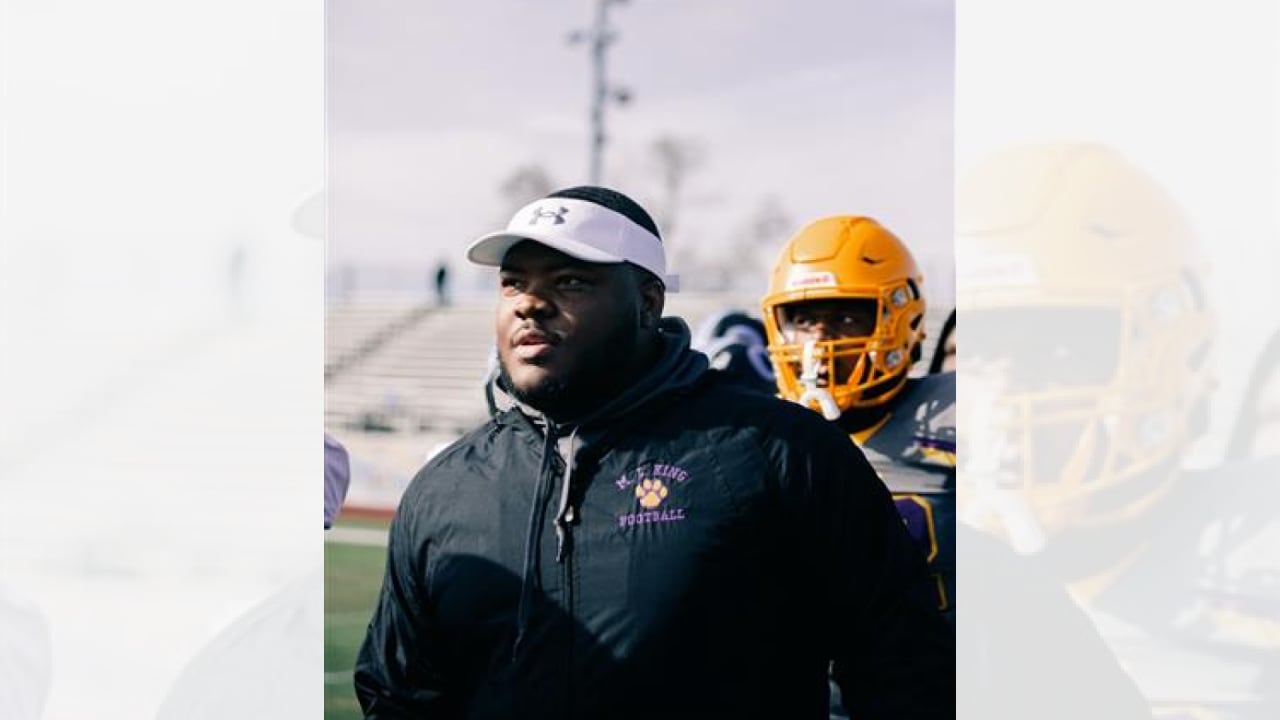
{"x": 651, "y": 493}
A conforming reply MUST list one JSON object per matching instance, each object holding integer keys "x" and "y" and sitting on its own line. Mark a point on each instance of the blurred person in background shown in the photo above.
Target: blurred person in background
{"x": 734, "y": 343}
{"x": 1087, "y": 379}
{"x": 633, "y": 536}
{"x": 1257, "y": 429}
{"x": 944, "y": 352}
{"x": 442, "y": 284}
{"x": 1235, "y": 604}
{"x": 337, "y": 478}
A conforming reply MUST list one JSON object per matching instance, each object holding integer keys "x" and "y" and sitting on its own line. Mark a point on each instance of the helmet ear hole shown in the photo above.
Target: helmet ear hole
{"x": 916, "y": 354}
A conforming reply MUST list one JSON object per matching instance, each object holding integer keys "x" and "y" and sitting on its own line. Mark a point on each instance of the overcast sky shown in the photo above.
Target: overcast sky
{"x": 829, "y": 107}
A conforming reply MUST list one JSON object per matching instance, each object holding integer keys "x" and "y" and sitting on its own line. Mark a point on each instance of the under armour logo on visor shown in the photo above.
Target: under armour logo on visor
{"x": 556, "y": 215}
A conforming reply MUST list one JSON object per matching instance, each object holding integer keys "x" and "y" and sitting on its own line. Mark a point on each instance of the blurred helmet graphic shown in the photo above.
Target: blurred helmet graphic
{"x": 1087, "y": 340}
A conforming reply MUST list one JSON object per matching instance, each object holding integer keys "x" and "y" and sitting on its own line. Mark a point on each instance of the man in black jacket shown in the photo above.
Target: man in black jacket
{"x": 633, "y": 536}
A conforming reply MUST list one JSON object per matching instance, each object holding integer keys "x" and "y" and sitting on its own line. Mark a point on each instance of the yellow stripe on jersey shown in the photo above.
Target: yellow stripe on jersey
{"x": 927, "y": 507}
{"x": 862, "y": 436}
{"x": 939, "y": 456}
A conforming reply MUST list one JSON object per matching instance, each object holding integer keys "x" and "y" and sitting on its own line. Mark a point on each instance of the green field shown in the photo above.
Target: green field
{"x": 352, "y": 577}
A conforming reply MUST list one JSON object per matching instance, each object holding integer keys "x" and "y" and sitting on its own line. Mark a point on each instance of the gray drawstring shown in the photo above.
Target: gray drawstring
{"x": 565, "y": 514}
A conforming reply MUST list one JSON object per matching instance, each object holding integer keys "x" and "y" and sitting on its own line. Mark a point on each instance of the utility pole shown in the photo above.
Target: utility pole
{"x": 600, "y": 37}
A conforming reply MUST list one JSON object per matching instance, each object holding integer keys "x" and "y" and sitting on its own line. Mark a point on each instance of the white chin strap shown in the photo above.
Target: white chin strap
{"x": 809, "y": 379}
{"x": 1025, "y": 535}
{"x": 995, "y": 491}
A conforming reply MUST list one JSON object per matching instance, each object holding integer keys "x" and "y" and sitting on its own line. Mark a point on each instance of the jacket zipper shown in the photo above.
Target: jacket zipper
{"x": 564, "y": 519}
{"x": 566, "y": 571}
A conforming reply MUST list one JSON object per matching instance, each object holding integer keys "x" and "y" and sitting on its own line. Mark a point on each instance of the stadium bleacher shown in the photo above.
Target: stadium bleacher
{"x": 409, "y": 367}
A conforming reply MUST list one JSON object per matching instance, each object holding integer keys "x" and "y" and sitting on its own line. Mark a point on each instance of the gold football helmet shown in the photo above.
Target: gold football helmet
{"x": 1087, "y": 335}
{"x": 844, "y": 315}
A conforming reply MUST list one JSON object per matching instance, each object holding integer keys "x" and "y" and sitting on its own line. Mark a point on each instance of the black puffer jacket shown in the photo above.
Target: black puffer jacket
{"x": 712, "y": 551}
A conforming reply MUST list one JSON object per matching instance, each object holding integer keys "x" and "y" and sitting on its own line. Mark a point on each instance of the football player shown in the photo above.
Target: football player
{"x": 844, "y": 316}
{"x": 1087, "y": 377}
{"x": 1089, "y": 335}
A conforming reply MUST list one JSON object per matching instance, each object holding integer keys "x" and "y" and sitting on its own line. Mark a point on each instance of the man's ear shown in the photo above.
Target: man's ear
{"x": 652, "y": 298}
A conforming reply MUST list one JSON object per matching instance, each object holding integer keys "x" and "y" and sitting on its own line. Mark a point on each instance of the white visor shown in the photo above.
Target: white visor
{"x": 579, "y": 229}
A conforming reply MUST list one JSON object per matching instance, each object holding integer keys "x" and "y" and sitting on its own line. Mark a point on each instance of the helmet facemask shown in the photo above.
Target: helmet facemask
{"x": 838, "y": 354}
{"x": 844, "y": 315}
{"x": 1086, "y": 427}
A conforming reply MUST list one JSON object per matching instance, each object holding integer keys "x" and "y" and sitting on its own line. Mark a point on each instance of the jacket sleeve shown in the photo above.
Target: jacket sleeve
{"x": 892, "y": 651}
{"x": 399, "y": 673}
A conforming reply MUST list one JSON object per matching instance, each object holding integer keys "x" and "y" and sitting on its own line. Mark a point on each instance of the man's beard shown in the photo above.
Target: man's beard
{"x": 593, "y": 381}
